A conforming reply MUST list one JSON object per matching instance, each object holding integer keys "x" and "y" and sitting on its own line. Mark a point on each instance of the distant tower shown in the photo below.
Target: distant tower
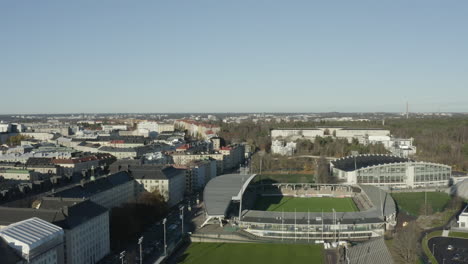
{"x": 407, "y": 110}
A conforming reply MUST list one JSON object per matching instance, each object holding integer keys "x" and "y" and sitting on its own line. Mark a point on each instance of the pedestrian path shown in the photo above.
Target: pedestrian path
{"x": 445, "y": 233}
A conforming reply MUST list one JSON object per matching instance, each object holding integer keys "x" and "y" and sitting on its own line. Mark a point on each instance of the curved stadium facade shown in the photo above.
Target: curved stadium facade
{"x": 226, "y": 194}
{"x": 388, "y": 170}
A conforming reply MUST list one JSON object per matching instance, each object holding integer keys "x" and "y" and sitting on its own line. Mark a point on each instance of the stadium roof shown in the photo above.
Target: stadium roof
{"x": 351, "y": 163}
{"x": 370, "y": 252}
{"x": 220, "y": 191}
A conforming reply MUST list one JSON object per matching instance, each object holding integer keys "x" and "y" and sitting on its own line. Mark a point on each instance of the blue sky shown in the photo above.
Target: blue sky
{"x": 233, "y": 56}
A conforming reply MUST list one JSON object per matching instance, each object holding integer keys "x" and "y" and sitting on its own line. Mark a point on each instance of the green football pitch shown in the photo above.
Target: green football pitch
{"x": 304, "y": 204}
{"x": 227, "y": 253}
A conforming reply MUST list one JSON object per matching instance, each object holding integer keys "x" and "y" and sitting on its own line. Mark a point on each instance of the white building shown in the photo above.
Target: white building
{"x": 36, "y": 240}
{"x": 361, "y": 134}
{"x": 4, "y": 127}
{"x": 463, "y": 219}
{"x": 283, "y": 148}
{"x": 86, "y": 226}
{"x": 109, "y": 128}
{"x": 293, "y": 134}
{"x": 168, "y": 181}
{"x": 402, "y": 147}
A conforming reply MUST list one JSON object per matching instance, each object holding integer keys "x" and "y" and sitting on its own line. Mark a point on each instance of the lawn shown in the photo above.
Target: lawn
{"x": 227, "y": 253}
{"x": 285, "y": 178}
{"x": 411, "y": 202}
{"x": 303, "y": 204}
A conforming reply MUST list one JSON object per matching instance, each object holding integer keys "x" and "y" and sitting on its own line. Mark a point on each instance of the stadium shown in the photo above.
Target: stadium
{"x": 299, "y": 211}
{"x": 391, "y": 171}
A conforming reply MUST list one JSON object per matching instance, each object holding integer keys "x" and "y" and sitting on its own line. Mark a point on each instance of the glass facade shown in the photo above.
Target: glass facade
{"x": 327, "y": 231}
{"x": 402, "y": 173}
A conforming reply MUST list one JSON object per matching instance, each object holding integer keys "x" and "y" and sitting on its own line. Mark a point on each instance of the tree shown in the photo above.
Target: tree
{"x": 323, "y": 171}
{"x": 406, "y": 246}
{"x": 16, "y": 140}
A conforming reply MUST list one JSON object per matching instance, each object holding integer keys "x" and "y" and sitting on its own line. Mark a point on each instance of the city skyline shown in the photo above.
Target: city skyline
{"x": 212, "y": 57}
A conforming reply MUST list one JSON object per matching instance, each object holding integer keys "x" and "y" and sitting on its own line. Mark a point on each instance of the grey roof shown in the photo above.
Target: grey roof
{"x": 31, "y": 233}
{"x": 370, "y": 252}
{"x": 67, "y": 214}
{"x": 460, "y": 189}
{"x": 220, "y": 191}
{"x": 150, "y": 171}
{"x": 380, "y": 198}
{"x": 91, "y": 188}
{"x": 351, "y": 163}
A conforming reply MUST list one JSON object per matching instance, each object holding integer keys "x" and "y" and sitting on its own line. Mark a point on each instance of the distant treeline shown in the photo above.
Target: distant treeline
{"x": 438, "y": 139}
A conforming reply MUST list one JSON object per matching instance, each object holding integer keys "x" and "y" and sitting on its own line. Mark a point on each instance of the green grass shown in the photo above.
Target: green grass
{"x": 458, "y": 234}
{"x": 227, "y": 253}
{"x": 425, "y": 247}
{"x": 286, "y": 178}
{"x": 303, "y": 204}
{"x": 411, "y": 202}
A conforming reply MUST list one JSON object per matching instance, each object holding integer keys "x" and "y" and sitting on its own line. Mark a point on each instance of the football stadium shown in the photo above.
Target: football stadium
{"x": 299, "y": 211}
{"x": 390, "y": 171}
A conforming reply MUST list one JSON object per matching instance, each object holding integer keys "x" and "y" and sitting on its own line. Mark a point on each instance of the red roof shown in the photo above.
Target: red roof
{"x": 226, "y": 148}
{"x": 117, "y": 141}
{"x": 185, "y": 146}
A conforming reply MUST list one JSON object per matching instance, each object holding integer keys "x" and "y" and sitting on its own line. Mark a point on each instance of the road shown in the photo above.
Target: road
{"x": 153, "y": 237}
{"x": 444, "y": 255}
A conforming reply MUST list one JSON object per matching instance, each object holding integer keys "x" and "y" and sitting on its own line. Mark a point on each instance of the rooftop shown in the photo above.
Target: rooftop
{"x": 351, "y": 163}
{"x": 30, "y": 233}
{"x": 66, "y": 213}
{"x": 91, "y": 187}
{"x": 153, "y": 171}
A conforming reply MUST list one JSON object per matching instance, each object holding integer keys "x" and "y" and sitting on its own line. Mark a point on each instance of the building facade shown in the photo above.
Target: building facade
{"x": 387, "y": 170}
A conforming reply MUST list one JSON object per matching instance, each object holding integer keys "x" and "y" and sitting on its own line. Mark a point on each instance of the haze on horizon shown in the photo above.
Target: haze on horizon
{"x": 233, "y": 56}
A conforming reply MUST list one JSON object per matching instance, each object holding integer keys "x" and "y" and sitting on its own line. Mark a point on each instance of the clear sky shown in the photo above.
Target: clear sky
{"x": 233, "y": 56}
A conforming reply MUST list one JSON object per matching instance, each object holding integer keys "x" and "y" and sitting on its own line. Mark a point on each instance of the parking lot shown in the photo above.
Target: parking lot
{"x": 449, "y": 250}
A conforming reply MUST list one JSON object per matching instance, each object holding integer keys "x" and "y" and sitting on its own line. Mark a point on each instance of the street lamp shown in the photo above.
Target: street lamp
{"x": 165, "y": 246}
{"x": 122, "y": 256}
{"x": 182, "y": 218}
{"x": 140, "y": 242}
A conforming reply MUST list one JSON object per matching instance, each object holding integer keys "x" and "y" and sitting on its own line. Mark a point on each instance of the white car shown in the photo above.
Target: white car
{"x": 450, "y": 247}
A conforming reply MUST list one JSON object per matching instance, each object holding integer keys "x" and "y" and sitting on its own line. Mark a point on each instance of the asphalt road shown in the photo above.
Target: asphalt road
{"x": 458, "y": 255}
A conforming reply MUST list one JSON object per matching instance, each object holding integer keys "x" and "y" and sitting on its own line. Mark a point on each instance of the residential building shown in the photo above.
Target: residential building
{"x": 197, "y": 129}
{"x": 167, "y": 180}
{"x": 283, "y": 148}
{"x": 107, "y": 191}
{"x": 85, "y": 225}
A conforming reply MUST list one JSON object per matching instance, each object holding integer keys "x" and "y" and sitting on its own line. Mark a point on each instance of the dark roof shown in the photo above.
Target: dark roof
{"x": 124, "y": 165}
{"x": 351, "y": 163}
{"x": 39, "y": 161}
{"x": 66, "y": 214}
{"x": 153, "y": 171}
{"x": 349, "y": 128}
{"x": 8, "y": 254}
{"x": 91, "y": 188}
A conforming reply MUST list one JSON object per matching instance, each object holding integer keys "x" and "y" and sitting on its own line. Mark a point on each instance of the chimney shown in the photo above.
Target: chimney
{"x": 65, "y": 210}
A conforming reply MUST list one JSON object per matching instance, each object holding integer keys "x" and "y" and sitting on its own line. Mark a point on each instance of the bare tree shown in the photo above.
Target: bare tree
{"x": 406, "y": 246}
